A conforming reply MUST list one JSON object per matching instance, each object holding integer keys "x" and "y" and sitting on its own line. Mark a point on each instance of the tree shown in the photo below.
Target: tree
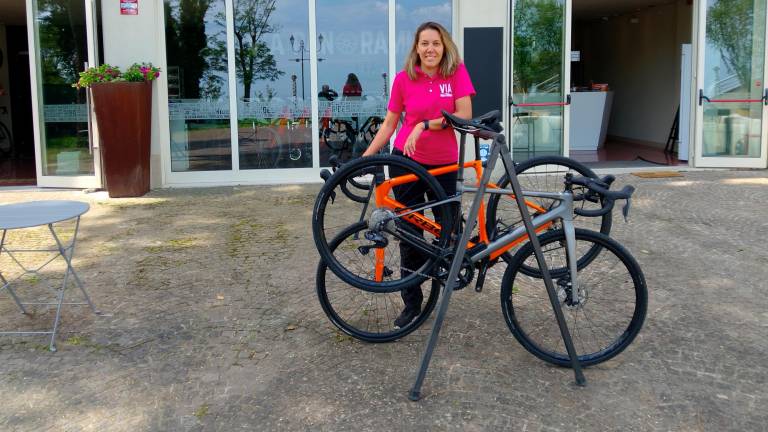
{"x": 730, "y": 24}
{"x": 192, "y": 41}
{"x": 538, "y": 42}
{"x": 253, "y": 58}
{"x": 62, "y": 48}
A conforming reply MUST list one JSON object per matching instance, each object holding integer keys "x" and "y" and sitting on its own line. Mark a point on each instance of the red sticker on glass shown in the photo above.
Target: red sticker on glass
{"x": 758, "y": 83}
{"x": 129, "y": 7}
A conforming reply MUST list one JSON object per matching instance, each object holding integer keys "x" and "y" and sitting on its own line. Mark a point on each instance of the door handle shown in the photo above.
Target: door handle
{"x": 702, "y": 97}
{"x": 88, "y": 111}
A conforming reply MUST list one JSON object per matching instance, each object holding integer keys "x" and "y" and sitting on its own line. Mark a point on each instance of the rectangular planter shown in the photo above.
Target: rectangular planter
{"x": 124, "y": 116}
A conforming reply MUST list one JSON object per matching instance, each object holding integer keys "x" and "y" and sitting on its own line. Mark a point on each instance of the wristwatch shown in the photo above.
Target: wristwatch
{"x": 426, "y": 124}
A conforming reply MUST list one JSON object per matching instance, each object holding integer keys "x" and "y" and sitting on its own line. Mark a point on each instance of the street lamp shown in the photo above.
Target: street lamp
{"x": 301, "y": 50}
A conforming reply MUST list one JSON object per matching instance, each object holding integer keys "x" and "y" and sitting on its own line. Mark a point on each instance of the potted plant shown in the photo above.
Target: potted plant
{"x": 122, "y": 102}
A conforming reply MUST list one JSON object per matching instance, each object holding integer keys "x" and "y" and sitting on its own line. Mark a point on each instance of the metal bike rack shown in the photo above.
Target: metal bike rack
{"x": 498, "y": 148}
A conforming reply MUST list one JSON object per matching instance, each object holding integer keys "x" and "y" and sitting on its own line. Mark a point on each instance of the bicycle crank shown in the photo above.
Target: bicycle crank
{"x": 466, "y": 274}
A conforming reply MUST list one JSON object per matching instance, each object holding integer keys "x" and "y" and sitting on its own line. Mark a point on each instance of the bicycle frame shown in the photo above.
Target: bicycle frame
{"x": 499, "y": 149}
{"x": 414, "y": 217}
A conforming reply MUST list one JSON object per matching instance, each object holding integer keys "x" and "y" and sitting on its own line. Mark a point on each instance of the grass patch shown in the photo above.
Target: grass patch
{"x": 172, "y": 245}
{"x": 201, "y": 411}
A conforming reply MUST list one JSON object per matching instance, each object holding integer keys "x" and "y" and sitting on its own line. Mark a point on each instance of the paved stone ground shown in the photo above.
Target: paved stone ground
{"x": 211, "y": 323}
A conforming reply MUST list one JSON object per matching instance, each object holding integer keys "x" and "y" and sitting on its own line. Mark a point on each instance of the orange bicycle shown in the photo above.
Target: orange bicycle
{"x": 351, "y": 205}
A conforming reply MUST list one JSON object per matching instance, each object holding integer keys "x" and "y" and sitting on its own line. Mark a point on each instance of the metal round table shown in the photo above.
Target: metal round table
{"x": 34, "y": 214}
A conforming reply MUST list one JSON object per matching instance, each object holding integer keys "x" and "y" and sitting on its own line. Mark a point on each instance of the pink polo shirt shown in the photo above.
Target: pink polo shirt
{"x": 423, "y": 99}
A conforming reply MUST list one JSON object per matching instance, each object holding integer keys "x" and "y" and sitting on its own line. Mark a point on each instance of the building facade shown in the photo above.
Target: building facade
{"x": 264, "y": 92}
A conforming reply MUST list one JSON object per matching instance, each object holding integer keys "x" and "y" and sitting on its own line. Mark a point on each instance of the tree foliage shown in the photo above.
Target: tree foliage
{"x": 538, "y": 42}
{"x": 253, "y": 58}
{"x": 730, "y": 26}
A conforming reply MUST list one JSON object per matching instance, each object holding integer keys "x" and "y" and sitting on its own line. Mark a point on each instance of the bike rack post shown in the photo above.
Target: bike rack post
{"x": 498, "y": 148}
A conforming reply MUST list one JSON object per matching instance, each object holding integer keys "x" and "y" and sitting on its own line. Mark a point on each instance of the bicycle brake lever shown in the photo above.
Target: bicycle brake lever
{"x": 625, "y": 209}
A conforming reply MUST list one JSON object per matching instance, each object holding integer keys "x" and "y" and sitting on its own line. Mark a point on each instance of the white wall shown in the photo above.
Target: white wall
{"x": 132, "y": 39}
{"x": 641, "y": 63}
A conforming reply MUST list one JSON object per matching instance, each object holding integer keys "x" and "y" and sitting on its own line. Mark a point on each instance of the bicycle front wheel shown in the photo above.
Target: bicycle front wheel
{"x": 365, "y": 315}
{"x": 371, "y": 260}
{"x": 543, "y": 174}
{"x": 605, "y": 314}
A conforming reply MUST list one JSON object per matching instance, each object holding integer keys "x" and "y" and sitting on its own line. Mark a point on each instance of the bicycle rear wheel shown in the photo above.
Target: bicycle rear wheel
{"x": 362, "y": 314}
{"x": 389, "y": 224}
{"x": 606, "y": 318}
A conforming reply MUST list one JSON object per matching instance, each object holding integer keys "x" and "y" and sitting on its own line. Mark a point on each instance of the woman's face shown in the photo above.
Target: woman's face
{"x": 430, "y": 48}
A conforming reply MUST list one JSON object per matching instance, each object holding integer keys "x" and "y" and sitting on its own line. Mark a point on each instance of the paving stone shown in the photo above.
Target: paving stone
{"x": 211, "y": 322}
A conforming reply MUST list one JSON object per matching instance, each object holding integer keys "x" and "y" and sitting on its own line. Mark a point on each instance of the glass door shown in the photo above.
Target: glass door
{"x": 540, "y": 100}
{"x": 62, "y": 34}
{"x": 732, "y": 93}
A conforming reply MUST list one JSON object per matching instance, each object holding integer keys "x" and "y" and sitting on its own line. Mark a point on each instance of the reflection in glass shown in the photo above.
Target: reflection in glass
{"x": 60, "y": 27}
{"x": 412, "y": 13}
{"x": 538, "y": 77}
{"x": 733, "y": 70}
{"x": 198, "y": 92}
{"x": 352, "y": 76}
{"x": 271, "y": 54}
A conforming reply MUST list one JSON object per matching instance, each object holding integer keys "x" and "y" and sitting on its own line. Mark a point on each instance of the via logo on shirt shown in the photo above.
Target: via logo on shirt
{"x": 445, "y": 90}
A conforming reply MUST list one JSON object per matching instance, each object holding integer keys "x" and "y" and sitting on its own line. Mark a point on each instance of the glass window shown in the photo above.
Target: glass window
{"x": 273, "y": 87}
{"x": 538, "y": 87}
{"x": 352, "y": 74}
{"x": 733, "y": 78}
{"x": 410, "y": 14}
{"x": 63, "y": 53}
{"x": 198, "y": 89}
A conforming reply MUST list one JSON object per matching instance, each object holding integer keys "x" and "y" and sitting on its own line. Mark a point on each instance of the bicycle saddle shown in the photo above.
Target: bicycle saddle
{"x": 488, "y": 122}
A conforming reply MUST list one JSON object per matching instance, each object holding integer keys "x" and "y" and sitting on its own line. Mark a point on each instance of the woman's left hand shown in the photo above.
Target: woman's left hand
{"x": 410, "y": 143}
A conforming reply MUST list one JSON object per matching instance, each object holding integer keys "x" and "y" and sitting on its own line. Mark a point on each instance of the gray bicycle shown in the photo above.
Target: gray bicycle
{"x": 587, "y": 275}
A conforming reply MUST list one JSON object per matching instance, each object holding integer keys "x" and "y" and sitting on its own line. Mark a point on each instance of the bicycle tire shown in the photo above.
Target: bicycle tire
{"x": 6, "y": 140}
{"x": 610, "y": 277}
{"x": 333, "y": 213}
{"x": 364, "y": 315}
{"x": 544, "y": 174}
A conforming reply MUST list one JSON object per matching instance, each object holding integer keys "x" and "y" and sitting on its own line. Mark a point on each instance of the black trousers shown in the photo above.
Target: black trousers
{"x": 412, "y": 195}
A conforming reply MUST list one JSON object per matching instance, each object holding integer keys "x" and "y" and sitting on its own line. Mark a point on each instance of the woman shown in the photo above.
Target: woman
{"x": 352, "y": 87}
{"x": 434, "y": 79}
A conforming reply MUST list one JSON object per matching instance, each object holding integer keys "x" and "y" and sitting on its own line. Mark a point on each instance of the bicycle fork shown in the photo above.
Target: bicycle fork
{"x": 498, "y": 149}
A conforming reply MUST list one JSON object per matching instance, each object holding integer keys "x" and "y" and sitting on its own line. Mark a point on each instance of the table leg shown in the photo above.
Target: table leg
{"x": 6, "y": 284}
{"x": 68, "y": 259}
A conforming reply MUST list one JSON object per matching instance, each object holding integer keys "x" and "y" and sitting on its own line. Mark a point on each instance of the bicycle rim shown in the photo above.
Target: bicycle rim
{"x": 543, "y": 174}
{"x": 387, "y": 231}
{"x": 362, "y": 314}
{"x": 608, "y": 316}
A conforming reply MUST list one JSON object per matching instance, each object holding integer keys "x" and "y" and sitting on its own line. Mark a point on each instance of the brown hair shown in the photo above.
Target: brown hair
{"x": 448, "y": 63}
